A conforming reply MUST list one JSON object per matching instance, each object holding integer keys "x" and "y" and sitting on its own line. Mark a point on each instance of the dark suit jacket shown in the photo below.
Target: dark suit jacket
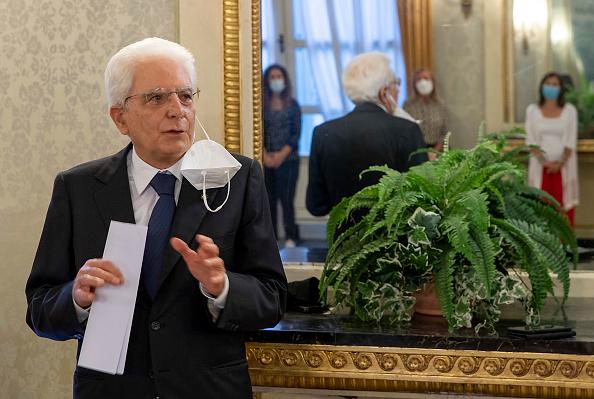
{"x": 175, "y": 348}
{"x": 343, "y": 148}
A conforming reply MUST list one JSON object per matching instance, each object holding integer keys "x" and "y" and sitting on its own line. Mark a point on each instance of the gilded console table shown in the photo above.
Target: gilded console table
{"x": 338, "y": 352}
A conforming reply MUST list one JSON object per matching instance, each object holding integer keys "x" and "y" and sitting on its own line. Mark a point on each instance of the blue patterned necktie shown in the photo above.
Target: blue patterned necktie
{"x": 159, "y": 227}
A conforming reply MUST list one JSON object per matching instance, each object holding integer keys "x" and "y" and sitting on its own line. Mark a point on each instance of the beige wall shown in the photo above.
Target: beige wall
{"x": 459, "y": 67}
{"x": 53, "y": 115}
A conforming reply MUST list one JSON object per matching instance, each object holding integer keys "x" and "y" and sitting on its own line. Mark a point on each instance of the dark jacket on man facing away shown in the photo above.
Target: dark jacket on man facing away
{"x": 343, "y": 148}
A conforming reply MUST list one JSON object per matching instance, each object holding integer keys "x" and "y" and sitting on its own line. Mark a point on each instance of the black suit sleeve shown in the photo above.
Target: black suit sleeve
{"x": 416, "y": 142}
{"x": 317, "y": 199}
{"x": 258, "y": 287}
{"x": 50, "y": 309}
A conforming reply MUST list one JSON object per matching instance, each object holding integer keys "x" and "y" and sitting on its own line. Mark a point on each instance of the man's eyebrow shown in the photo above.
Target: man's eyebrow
{"x": 160, "y": 89}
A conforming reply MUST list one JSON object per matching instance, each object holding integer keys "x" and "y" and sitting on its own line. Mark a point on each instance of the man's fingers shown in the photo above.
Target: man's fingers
{"x": 206, "y": 247}
{"x": 88, "y": 280}
{"x": 83, "y": 295}
{"x": 203, "y": 239}
{"x": 102, "y": 269}
{"x": 180, "y": 246}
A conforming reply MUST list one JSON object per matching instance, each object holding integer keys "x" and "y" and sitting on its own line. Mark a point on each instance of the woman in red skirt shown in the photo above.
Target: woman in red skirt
{"x": 552, "y": 125}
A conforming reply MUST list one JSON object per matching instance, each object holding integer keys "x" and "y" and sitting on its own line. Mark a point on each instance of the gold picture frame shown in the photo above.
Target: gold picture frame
{"x": 232, "y": 77}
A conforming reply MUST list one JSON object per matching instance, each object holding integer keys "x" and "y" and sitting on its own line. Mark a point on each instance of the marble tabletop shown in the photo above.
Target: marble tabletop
{"x": 430, "y": 332}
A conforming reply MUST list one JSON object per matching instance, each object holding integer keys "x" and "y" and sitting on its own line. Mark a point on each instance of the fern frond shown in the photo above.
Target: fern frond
{"x": 552, "y": 253}
{"x": 395, "y": 211}
{"x": 446, "y": 142}
{"x": 357, "y": 259}
{"x": 475, "y": 203}
{"x": 521, "y": 208}
{"x": 537, "y": 194}
{"x": 530, "y": 260}
{"x": 444, "y": 285}
{"x": 456, "y": 229}
{"x": 483, "y": 255}
{"x": 336, "y": 217}
{"x": 555, "y": 221}
{"x": 481, "y": 132}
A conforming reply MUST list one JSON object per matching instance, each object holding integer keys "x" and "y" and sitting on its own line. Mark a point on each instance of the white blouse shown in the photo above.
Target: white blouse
{"x": 553, "y": 135}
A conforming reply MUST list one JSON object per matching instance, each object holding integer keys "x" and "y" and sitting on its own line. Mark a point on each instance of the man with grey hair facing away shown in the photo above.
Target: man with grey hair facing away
{"x": 217, "y": 274}
{"x": 369, "y": 135}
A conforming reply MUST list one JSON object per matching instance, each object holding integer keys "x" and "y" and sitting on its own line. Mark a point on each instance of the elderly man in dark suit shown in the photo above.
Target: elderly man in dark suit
{"x": 370, "y": 135}
{"x": 221, "y": 274}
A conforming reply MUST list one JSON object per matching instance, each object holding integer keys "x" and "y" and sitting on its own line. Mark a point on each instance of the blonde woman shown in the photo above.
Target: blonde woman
{"x": 426, "y": 106}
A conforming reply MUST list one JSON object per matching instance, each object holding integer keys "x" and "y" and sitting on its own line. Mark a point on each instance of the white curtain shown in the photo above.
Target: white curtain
{"x": 338, "y": 30}
{"x": 269, "y": 34}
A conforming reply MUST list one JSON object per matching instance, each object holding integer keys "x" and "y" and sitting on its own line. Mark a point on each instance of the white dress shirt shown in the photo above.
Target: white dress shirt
{"x": 144, "y": 198}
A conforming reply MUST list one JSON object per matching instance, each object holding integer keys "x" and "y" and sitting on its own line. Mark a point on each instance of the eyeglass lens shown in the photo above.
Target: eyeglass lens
{"x": 161, "y": 97}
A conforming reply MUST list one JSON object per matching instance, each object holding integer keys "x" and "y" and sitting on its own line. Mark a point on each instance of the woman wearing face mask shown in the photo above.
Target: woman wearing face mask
{"x": 426, "y": 106}
{"x": 552, "y": 125}
{"x": 282, "y": 128}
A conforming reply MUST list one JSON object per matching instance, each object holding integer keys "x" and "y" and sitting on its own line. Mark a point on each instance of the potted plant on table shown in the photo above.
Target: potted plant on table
{"x": 466, "y": 222}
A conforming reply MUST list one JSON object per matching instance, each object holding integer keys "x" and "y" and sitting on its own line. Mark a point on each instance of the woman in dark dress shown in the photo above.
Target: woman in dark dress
{"x": 282, "y": 128}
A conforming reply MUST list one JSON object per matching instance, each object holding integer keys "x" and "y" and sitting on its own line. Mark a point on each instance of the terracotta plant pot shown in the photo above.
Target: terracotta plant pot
{"x": 427, "y": 302}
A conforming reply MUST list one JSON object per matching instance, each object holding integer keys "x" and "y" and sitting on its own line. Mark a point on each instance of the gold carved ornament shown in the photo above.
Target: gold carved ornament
{"x": 421, "y": 370}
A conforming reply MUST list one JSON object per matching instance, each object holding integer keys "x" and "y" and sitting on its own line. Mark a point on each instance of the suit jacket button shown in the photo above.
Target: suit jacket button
{"x": 155, "y": 326}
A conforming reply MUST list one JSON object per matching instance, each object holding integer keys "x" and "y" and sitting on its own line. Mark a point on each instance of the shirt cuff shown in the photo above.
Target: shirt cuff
{"x": 215, "y": 304}
{"x": 81, "y": 314}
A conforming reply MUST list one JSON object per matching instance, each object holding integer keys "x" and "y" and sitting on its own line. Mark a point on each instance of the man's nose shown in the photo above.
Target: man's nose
{"x": 175, "y": 107}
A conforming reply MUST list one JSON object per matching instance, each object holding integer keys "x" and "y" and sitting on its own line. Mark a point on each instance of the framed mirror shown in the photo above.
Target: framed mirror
{"x": 551, "y": 35}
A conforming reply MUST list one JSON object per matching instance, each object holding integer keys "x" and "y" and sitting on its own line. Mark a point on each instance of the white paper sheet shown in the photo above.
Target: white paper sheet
{"x": 105, "y": 343}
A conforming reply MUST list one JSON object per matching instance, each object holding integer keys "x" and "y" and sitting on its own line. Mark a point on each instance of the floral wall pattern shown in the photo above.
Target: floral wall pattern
{"x": 53, "y": 115}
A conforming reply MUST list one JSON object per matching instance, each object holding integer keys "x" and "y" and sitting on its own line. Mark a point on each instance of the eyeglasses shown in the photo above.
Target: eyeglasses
{"x": 160, "y": 97}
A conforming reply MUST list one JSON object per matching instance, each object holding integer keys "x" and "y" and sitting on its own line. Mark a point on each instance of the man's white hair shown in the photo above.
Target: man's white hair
{"x": 119, "y": 72}
{"x": 365, "y": 75}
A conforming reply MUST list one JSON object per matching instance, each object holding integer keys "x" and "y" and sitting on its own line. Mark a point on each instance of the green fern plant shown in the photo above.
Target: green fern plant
{"x": 467, "y": 221}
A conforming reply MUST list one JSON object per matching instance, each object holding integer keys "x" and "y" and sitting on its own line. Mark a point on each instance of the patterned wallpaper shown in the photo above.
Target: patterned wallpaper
{"x": 53, "y": 115}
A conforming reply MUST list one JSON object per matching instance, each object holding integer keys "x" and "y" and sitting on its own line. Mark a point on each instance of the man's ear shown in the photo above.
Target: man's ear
{"x": 118, "y": 116}
{"x": 382, "y": 96}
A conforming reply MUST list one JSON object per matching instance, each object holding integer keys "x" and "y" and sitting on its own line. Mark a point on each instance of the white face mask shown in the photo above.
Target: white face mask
{"x": 424, "y": 87}
{"x": 207, "y": 164}
{"x": 277, "y": 85}
{"x": 391, "y": 100}
{"x": 399, "y": 112}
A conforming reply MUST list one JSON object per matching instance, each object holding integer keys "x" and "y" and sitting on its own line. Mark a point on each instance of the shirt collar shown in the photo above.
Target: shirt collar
{"x": 382, "y": 107}
{"x": 143, "y": 173}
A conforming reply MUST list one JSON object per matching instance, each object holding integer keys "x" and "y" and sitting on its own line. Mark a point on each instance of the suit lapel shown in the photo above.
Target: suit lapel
{"x": 114, "y": 200}
{"x": 189, "y": 213}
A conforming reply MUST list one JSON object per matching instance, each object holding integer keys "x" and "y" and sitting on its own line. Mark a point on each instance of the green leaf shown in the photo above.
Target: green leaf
{"x": 483, "y": 256}
{"x": 444, "y": 285}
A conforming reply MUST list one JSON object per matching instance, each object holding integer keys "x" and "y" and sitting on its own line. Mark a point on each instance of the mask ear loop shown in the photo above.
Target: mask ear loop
{"x": 206, "y": 134}
{"x": 204, "y": 191}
